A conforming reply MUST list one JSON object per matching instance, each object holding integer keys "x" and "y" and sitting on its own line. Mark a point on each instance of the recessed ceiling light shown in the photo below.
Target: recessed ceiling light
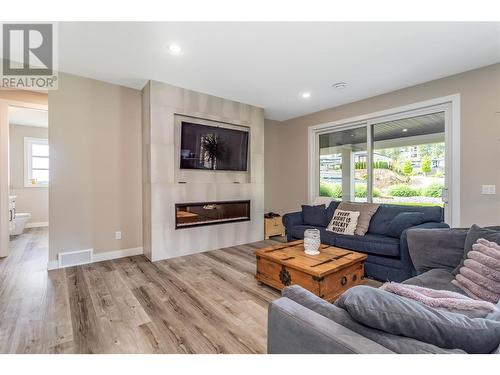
{"x": 404, "y": 130}
{"x": 306, "y": 95}
{"x": 339, "y": 85}
{"x": 174, "y": 49}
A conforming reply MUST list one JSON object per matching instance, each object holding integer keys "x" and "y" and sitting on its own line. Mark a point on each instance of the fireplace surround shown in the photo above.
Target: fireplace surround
{"x": 188, "y": 215}
{"x": 165, "y": 184}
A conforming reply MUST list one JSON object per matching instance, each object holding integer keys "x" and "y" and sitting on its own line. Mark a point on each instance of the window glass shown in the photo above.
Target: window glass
{"x": 408, "y": 160}
{"x": 342, "y": 169}
{"x": 40, "y": 163}
{"x": 39, "y": 149}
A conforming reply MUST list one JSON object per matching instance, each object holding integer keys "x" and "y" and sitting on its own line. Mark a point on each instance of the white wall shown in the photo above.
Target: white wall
{"x": 160, "y": 179}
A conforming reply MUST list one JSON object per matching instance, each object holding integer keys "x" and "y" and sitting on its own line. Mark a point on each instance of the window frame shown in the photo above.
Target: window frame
{"x": 28, "y": 160}
{"x": 448, "y": 104}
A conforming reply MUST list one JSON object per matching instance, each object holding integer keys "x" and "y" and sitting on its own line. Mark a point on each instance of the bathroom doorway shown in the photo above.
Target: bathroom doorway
{"x": 24, "y": 180}
{"x": 29, "y": 176}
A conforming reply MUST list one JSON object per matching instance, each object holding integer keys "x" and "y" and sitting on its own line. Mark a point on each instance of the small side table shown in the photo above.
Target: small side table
{"x": 273, "y": 227}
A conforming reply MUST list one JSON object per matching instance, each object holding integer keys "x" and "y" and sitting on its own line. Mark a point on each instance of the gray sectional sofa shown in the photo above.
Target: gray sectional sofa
{"x": 300, "y": 322}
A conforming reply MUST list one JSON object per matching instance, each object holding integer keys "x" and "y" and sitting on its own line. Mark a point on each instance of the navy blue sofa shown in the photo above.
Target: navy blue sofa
{"x": 388, "y": 257}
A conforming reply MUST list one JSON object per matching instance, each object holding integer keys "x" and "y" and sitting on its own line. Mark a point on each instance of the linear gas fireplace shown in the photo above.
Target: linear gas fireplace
{"x": 188, "y": 215}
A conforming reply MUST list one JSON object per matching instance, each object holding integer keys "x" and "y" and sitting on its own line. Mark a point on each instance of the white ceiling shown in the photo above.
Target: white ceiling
{"x": 28, "y": 117}
{"x": 270, "y": 64}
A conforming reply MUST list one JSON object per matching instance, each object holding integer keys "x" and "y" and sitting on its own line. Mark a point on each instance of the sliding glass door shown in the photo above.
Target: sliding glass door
{"x": 342, "y": 155}
{"x": 409, "y": 160}
{"x": 400, "y": 161}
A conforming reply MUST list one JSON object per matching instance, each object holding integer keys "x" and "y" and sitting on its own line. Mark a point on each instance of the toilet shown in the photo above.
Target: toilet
{"x": 20, "y": 221}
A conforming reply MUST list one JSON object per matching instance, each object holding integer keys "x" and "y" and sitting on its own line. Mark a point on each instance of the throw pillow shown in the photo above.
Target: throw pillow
{"x": 344, "y": 222}
{"x": 403, "y": 221}
{"x": 331, "y": 210}
{"x": 366, "y": 211}
{"x": 479, "y": 277}
{"x": 476, "y": 232}
{"x": 314, "y": 215}
{"x": 404, "y": 317}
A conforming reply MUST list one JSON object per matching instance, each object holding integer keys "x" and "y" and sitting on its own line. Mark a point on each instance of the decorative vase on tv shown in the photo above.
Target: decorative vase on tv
{"x": 312, "y": 240}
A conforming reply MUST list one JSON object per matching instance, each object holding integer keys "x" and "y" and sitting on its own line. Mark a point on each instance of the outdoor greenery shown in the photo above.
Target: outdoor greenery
{"x": 431, "y": 150}
{"x": 361, "y": 191}
{"x": 401, "y": 175}
{"x": 335, "y": 190}
{"x": 407, "y": 168}
{"x": 403, "y": 191}
{"x": 434, "y": 190}
{"x": 330, "y": 190}
{"x": 377, "y": 165}
{"x": 425, "y": 165}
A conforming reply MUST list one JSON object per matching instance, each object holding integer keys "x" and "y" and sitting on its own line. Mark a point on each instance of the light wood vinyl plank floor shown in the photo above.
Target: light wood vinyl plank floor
{"x": 202, "y": 303}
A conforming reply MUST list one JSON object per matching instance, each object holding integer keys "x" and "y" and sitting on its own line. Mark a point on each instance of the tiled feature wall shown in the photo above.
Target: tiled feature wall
{"x": 161, "y": 174}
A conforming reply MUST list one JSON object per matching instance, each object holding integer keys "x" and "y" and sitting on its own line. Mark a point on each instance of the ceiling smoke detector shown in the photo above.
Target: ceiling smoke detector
{"x": 339, "y": 85}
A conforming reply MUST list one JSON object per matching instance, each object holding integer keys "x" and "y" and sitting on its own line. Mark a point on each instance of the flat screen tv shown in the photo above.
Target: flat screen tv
{"x": 213, "y": 147}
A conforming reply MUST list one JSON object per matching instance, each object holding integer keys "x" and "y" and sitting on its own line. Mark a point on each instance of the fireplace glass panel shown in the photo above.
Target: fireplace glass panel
{"x": 209, "y": 213}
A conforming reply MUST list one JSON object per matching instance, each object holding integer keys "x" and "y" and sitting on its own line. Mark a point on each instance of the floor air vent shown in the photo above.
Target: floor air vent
{"x": 74, "y": 258}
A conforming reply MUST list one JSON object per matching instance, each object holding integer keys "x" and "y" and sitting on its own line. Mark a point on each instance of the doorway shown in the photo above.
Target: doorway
{"x": 24, "y": 178}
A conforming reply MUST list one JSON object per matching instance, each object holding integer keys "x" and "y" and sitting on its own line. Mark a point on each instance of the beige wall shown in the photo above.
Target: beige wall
{"x": 34, "y": 200}
{"x": 95, "y": 145}
{"x": 286, "y": 178}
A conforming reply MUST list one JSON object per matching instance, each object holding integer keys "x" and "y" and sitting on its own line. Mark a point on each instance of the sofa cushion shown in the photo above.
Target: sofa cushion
{"x": 386, "y": 212}
{"x": 366, "y": 211}
{"x": 436, "y": 248}
{"x": 401, "y": 316}
{"x": 370, "y": 244}
{"x": 437, "y": 278}
{"x": 397, "y": 344}
{"x": 298, "y": 231}
{"x": 476, "y": 232}
{"x": 403, "y": 221}
{"x": 314, "y": 215}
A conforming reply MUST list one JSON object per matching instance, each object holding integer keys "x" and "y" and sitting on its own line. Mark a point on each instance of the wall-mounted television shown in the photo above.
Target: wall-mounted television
{"x": 215, "y": 147}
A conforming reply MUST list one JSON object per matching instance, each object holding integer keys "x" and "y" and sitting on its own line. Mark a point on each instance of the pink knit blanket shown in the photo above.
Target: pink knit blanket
{"x": 440, "y": 299}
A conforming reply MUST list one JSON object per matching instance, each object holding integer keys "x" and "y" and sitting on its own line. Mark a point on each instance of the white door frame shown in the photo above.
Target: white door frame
{"x": 450, "y": 105}
{"x": 4, "y": 168}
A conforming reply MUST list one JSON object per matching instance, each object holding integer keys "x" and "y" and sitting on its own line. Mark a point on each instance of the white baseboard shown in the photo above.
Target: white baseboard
{"x": 37, "y": 225}
{"x": 109, "y": 255}
{"x": 100, "y": 257}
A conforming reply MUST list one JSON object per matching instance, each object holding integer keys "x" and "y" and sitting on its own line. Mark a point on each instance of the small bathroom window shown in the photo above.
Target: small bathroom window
{"x": 36, "y": 162}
